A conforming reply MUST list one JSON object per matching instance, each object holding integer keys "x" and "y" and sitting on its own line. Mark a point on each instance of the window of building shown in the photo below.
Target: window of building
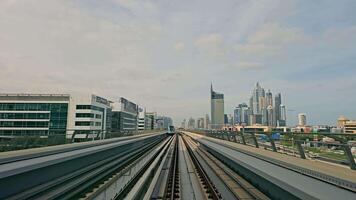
{"x": 84, "y": 123}
{"x": 83, "y": 107}
{"x": 84, "y": 115}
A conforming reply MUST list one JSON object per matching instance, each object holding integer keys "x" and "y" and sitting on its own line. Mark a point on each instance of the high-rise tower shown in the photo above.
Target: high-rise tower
{"x": 302, "y": 119}
{"x": 277, "y": 109}
{"x": 217, "y": 109}
{"x": 257, "y": 94}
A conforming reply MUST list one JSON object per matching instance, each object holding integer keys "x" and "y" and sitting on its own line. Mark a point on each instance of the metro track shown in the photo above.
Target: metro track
{"x": 182, "y": 166}
{"x": 28, "y": 154}
{"x": 68, "y": 175}
{"x": 275, "y": 178}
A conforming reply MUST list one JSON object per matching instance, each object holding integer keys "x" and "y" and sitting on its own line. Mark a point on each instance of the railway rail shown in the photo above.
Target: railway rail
{"x": 156, "y": 166}
{"x": 69, "y": 174}
{"x": 277, "y": 179}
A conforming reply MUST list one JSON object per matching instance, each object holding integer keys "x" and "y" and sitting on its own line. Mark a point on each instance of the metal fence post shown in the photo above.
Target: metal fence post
{"x": 73, "y": 137}
{"x": 273, "y": 145}
{"x": 255, "y": 139}
{"x": 350, "y": 157}
{"x": 228, "y": 135}
{"x": 300, "y": 149}
{"x": 243, "y": 137}
{"x": 234, "y": 135}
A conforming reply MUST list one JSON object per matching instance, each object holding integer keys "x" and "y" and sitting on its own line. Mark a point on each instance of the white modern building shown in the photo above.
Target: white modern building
{"x": 141, "y": 120}
{"x": 124, "y": 116}
{"x": 302, "y": 119}
{"x": 45, "y": 114}
{"x": 217, "y": 109}
{"x": 89, "y": 116}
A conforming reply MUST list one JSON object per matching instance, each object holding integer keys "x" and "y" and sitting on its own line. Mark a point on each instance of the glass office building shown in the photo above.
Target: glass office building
{"x": 33, "y": 114}
{"x": 124, "y": 116}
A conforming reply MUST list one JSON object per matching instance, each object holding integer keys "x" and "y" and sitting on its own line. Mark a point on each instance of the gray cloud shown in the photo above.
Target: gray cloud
{"x": 164, "y": 55}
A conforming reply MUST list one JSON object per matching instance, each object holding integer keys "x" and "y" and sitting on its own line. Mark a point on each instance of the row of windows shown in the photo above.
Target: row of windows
{"x": 87, "y": 115}
{"x": 24, "y": 124}
{"x": 89, "y": 107}
{"x": 87, "y": 123}
{"x": 24, "y": 132}
{"x": 350, "y": 126}
{"x": 58, "y": 124}
{"x": 24, "y": 115}
{"x": 60, "y": 107}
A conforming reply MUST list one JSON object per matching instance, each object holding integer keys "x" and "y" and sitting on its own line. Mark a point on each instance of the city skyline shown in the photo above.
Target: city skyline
{"x": 152, "y": 52}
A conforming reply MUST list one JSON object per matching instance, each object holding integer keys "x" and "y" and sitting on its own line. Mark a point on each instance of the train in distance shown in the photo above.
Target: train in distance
{"x": 171, "y": 130}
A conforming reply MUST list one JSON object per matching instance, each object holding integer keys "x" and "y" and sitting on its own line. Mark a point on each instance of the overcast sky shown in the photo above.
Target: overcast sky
{"x": 164, "y": 54}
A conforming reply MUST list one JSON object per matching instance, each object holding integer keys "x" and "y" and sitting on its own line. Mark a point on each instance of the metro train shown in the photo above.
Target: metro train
{"x": 171, "y": 130}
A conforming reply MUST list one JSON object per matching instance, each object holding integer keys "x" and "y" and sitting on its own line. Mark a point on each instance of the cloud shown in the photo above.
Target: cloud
{"x": 340, "y": 36}
{"x": 249, "y": 65}
{"x": 72, "y": 50}
{"x": 213, "y": 39}
{"x": 163, "y": 55}
{"x": 275, "y": 34}
{"x": 271, "y": 39}
{"x": 211, "y": 45}
{"x": 179, "y": 46}
{"x": 257, "y": 50}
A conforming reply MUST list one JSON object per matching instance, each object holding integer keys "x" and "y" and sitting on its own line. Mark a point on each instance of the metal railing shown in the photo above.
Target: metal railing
{"x": 62, "y": 136}
{"x": 297, "y": 143}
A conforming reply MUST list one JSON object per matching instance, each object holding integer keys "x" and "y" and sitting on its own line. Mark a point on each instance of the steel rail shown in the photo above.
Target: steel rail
{"x": 228, "y": 176}
{"x": 113, "y": 186}
{"x": 74, "y": 183}
{"x": 5, "y": 159}
{"x": 173, "y": 177}
{"x": 296, "y": 189}
{"x": 213, "y": 194}
{"x": 344, "y": 184}
{"x": 138, "y": 188}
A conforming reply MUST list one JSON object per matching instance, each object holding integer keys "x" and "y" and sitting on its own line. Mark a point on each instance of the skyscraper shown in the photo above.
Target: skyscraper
{"x": 283, "y": 116}
{"x": 269, "y": 98}
{"x": 263, "y": 110}
{"x": 241, "y": 113}
{"x": 270, "y": 116}
{"x": 217, "y": 109}
{"x": 191, "y": 123}
{"x": 257, "y": 93}
{"x": 302, "y": 119}
{"x": 207, "y": 122}
{"x": 183, "y": 124}
{"x": 277, "y": 108}
{"x": 200, "y": 123}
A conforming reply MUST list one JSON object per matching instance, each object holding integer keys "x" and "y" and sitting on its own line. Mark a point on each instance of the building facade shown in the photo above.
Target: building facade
{"x": 141, "y": 119}
{"x": 151, "y": 118}
{"x": 302, "y": 119}
{"x": 200, "y": 123}
{"x": 350, "y": 126}
{"x": 164, "y": 122}
{"x": 261, "y": 103}
{"x": 47, "y": 114}
{"x": 207, "y": 122}
{"x": 217, "y": 109}
{"x": 282, "y": 117}
{"x": 89, "y": 116}
{"x": 191, "y": 123}
{"x": 26, "y": 114}
{"x": 124, "y": 116}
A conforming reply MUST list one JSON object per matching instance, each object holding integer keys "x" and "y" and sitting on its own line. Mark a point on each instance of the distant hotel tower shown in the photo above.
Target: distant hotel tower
{"x": 217, "y": 109}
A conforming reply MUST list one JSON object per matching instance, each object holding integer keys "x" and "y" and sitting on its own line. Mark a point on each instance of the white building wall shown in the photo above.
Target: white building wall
{"x": 93, "y": 128}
